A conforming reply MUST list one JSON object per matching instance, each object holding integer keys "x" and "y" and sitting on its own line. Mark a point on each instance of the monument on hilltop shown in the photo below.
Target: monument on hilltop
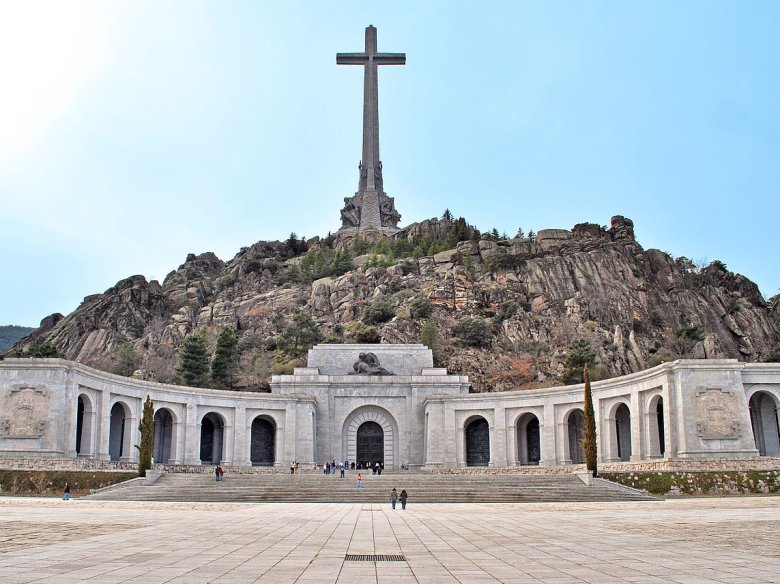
{"x": 370, "y": 209}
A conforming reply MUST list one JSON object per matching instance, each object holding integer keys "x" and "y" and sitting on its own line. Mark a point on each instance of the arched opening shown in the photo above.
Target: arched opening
{"x": 263, "y": 449}
{"x": 212, "y": 430}
{"x": 763, "y": 419}
{"x": 623, "y": 432}
{"x": 528, "y": 440}
{"x": 85, "y": 427}
{"x": 656, "y": 439}
{"x": 576, "y": 433}
{"x": 478, "y": 443}
{"x": 119, "y": 432}
{"x": 370, "y": 444}
{"x": 163, "y": 436}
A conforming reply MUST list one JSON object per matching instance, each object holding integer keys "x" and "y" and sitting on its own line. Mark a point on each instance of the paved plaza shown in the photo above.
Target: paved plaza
{"x": 731, "y": 540}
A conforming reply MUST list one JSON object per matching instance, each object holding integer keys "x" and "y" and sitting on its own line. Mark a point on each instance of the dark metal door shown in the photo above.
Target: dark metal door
{"x": 206, "y": 440}
{"x": 263, "y": 438}
{"x": 370, "y": 443}
{"x": 478, "y": 443}
{"x": 532, "y": 441}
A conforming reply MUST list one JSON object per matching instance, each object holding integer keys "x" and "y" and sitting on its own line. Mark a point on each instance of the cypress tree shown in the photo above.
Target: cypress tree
{"x": 147, "y": 438}
{"x": 225, "y": 362}
{"x": 193, "y": 360}
{"x": 589, "y": 438}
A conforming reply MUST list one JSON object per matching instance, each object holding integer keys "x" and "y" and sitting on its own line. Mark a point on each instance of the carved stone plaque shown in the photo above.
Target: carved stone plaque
{"x": 25, "y": 411}
{"x": 716, "y": 414}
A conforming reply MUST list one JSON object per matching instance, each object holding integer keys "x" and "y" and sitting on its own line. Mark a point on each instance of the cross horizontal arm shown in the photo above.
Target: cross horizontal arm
{"x": 390, "y": 58}
{"x": 351, "y": 58}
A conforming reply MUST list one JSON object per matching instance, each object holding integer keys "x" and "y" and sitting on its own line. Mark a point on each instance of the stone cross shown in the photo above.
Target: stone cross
{"x": 370, "y": 207}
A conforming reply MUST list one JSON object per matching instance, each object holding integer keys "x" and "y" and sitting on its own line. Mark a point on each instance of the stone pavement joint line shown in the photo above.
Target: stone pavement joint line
{"x": 730, "y": 541}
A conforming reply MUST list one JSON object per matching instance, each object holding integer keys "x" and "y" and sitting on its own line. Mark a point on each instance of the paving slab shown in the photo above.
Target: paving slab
{"x": 713, "y": 540}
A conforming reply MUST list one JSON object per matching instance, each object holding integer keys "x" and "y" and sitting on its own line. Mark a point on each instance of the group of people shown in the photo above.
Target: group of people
{"x": 394, "y": 497}
{"x": 219, "y": 474}
{"x": 330, "y": 467}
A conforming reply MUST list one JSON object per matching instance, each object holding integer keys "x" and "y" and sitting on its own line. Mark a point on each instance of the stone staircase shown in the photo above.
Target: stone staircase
{"x": 423, "y": 487}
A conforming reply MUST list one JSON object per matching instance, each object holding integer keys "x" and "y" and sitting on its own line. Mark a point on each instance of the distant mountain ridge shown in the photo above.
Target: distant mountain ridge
{"x": 11, "y": 333}
{"x": 510, "y": 313}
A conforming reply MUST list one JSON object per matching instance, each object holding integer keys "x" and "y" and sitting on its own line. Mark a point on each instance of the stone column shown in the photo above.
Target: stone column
{"x": 636, "y": 427}
{"x": 104, "y": 425}
{"x": 192, "y": 434}
{"x": 177, "y": 442}
{"x": 498, "y": 454}
{"x": 548, "y": 444}
{"x": 242, "y": 453}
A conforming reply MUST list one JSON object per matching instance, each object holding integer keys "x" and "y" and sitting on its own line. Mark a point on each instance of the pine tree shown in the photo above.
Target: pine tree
{"x": 589, "y": 439}
{"x": 126, "y": 360}
{"x": 225, "y": 361}
{"x": 299, "y": 335}
{"x": 147, "y": 438}
{"x": 193, "y": 360}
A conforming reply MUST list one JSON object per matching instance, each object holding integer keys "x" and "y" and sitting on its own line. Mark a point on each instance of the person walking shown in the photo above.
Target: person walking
{"x": 341, "y": 470}
{"x": 66, "y": 492}
{"x": 393, "y": 497}
{"x": 360, "y": 481}
{"x": 292, "y": 467}
{"x": 403, "y": 496}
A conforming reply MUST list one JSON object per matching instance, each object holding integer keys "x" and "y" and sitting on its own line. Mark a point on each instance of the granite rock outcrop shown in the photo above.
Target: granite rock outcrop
{"x": 634, "y": 307}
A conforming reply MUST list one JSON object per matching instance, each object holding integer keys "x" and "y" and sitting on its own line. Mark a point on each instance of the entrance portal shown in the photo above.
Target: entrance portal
{"x": 263, "y": 442}
{"x": 370, "y": 444}
{"x": 478, "y": 443}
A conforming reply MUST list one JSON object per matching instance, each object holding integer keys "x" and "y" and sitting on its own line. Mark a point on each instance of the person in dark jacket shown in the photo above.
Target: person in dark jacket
{"x": 66, "y": 492}
{"x": 393, "y": 497}
{"x": 403, "y": 496}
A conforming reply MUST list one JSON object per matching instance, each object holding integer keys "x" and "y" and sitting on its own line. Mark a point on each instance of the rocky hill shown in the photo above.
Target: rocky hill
{"x": 510, "y": 313}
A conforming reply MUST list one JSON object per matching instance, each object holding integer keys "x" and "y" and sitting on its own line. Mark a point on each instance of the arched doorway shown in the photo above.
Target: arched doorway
{"x": 528, "y": 440}
{"x": 370, "y": 444}
{"x": 212, "y": 430}
{"x": 623, "y": 432}
{"x": 656, "y": 440}
{"x": 478, "y": 443}
{"x": 763, "y": 419}
{"x": 85, "y": 421}
{"x": 163, "y": 436}
{"x": 263, "y": 449}
{"x": 119, "y": 432}
{"x": 576, "y": 433}
{"x": 349, "y": 437}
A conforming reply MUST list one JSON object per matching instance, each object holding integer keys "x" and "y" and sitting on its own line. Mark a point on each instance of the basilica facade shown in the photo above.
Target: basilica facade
{"x": 389, "y": 404}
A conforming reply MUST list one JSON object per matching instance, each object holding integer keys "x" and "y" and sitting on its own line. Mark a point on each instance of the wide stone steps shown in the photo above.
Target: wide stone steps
{"x": 422, "y": 488}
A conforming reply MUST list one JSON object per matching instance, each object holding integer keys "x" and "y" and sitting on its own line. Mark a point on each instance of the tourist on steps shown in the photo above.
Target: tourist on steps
{"x": 393, "y": 497}
{"x": 66, "y": 492}
{"x": 403, "y": 496}
{"x": 360, "y": 481}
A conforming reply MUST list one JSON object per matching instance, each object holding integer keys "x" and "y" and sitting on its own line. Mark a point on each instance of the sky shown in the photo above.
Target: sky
{"x": 134, "y": 133}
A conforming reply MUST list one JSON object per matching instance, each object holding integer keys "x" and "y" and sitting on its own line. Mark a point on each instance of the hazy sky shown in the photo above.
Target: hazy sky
{"x": 134, "y": 133}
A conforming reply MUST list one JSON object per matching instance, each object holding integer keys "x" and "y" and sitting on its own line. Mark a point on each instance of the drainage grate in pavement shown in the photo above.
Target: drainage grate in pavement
{"x": 374, "y": 558}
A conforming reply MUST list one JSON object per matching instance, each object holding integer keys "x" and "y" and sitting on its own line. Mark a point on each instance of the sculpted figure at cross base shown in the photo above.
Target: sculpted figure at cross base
{"x": 389, "y": 215}
{"x": 368, "y": 364}
{"x": 350, "y": 214}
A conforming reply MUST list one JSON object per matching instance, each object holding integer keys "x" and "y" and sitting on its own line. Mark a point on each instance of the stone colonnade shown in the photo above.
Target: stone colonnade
{"x": 419, "y": 418}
